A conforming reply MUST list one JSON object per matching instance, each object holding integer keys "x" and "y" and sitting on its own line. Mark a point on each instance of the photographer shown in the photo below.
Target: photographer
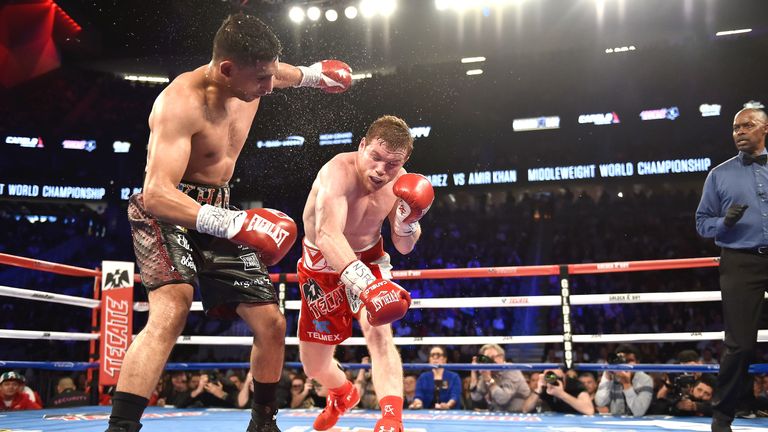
{"x": 504, "y": 390}
{"x": 625, "y": 392}
{"x": 438, "y": 388}
{"x": 560, "y": 393}
{"x": 213, "y": 391}
{"x": 698, "y": 401}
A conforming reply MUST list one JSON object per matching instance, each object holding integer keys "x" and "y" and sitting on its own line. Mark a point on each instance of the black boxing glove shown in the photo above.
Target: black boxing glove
{"x": 733, "y": 214}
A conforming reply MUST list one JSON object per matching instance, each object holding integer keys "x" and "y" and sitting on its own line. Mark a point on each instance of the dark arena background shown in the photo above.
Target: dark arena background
{"x": 567, "y": 142}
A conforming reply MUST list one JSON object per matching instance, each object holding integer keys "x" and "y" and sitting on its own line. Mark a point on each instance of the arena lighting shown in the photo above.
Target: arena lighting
{"x": 732, "y": 32}
{"x": 620, "y": 49}
{"x": 462, "y": 5}
{"x": 296, "y": 14}
{"x": 368, "y": 8}
{"x": 314, "y": 13}
{"x": 473, "y": 59}
{"x": 146, "y": 78}
{"x": 387, "y": 8}
{"x": 350, "y": 12}
{"x": 474, "y": 72}
{"x": 331, "y": 15}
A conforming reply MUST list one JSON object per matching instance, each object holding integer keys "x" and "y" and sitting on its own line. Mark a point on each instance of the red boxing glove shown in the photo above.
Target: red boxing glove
{"x": 271, "y": 232}
{"x": 385, "y": 302}
{"x": 416, "y": 196}
{"x": 332, "y": 76}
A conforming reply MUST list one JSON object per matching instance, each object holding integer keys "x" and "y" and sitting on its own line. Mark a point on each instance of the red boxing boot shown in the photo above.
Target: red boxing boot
{"x": 391, "y": 415}
{"x": 339, "y": 400}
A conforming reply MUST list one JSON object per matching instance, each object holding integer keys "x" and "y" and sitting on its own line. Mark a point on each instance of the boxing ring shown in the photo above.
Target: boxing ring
{"x": 93, "y": 418}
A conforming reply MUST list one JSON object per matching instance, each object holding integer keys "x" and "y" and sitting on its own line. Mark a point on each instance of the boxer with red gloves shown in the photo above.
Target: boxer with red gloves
{"x": 185, "y": 234}
{"x": 344, "y": 271}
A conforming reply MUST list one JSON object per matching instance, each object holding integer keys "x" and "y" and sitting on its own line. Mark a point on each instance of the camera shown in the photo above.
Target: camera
{"x": 213, "y": 378}
{"x": 551, "y": 378}
{"x": 681, "y": 386}
{"x": 484, "y": 359}
{"x": 616, "y": 358}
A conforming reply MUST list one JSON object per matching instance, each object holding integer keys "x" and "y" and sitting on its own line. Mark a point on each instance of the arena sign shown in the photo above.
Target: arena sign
{"x": 29, "y": 142}
{"x": 572, "y": 172}
{"x": 51, "y": 191}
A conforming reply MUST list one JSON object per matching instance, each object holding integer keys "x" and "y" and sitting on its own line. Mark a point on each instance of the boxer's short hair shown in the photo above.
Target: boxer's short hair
{"x": 394, "y": 131}
{"x": 245, "y": 39}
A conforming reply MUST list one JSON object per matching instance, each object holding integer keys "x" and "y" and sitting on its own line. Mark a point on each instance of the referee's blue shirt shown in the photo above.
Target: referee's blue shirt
{"x": 733, "y": 182}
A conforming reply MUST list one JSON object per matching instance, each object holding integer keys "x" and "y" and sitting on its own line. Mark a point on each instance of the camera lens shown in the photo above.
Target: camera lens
{"x": 551, "y": 377}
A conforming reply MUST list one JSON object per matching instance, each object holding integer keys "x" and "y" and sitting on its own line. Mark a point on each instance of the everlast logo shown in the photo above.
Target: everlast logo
{"x": 384, "y": 299}
{"x": 260, "y": 224}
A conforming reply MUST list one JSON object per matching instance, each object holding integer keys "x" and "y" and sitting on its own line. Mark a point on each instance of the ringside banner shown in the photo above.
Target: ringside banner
{"x": 116, "y": 318}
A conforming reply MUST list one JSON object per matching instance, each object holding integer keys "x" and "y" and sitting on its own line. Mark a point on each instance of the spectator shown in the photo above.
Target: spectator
{"x": 504, "y": 390}
{"x": 590, "y": 383}
{"x": 409, "y": 389}
{"x": 560, "y": 393}
{"x": 178, "y": 393}
{"x": 213, "y": 392}
{"x": 301, "y": 389}
{"x": 237, "y": 379}
{"x": 625, "y": 392}
{"x": 439, "y": 388}
{"x": 698, "y": 401}
{"x": 67, "y": 395}
{"x": 14, "y": 399}
{"x": 365, "y": 388}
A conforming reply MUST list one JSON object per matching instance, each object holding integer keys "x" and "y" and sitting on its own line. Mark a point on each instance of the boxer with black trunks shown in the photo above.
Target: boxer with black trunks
{"x": 344, "y": 271}
{"x": 184, "y": 233}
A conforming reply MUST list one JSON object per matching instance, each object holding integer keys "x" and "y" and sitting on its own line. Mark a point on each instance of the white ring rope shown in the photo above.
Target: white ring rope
{"x": 48, "y": 335}
{"x": 427, "y": 303}
{"x": 431, "y": 340}
{"x": 49, "y": 297}
{"x": 469, "y": 302}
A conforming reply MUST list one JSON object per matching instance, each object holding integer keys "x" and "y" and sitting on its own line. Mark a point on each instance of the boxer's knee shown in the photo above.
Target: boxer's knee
{"x": 274, "y": 329}
{"x": 169, "y": 307}
{"x": 379, "y": 338}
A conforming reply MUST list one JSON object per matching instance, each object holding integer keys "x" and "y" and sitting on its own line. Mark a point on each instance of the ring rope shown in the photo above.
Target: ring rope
{"x": 49, "y": 297}
{"x": 48, "y": 335}
{"x": 457, "y": 273}
{"x": 757, "y": 368}
{"x": 762, "y": 336}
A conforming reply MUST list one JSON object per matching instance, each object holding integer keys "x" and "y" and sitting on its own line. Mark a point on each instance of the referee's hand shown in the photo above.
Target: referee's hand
{"x": 733, "y": 214}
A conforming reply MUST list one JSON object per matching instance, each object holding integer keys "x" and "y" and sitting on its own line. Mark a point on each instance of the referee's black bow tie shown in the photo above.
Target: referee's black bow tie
{"x": 760, "y": 159}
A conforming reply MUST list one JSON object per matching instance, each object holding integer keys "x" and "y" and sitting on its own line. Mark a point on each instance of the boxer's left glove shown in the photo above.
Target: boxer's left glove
{"x": 416, "y": 196}
{"x": 384, "y": 301}
{"x": 271, "y": 232}
{"x": 332, "y": 76}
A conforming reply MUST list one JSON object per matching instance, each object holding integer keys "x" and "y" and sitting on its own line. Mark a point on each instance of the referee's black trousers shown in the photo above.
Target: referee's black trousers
{"x": 743, "y": 283}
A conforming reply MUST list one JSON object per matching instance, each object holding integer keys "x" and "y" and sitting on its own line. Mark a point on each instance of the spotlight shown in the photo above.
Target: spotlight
{"x": 368, "y": 8}
{"x": 474, "y": 72}
{"x": 387, "y": 8}
{"x": 296, "y": 14}
{"x": 313, "y": 13}
{"x": 331, "y": 15}
{"x": 350, "y": 12}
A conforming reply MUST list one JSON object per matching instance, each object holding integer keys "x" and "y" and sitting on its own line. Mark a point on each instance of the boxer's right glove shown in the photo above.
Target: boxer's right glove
{"x": 331, "y": 76}
{"x": 271, "y": 232}
{"x": 384, "y": 300}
